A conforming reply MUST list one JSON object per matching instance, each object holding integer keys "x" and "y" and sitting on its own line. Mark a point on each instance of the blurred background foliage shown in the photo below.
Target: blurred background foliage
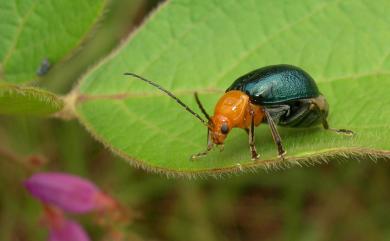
{"x": 336, "y": 201}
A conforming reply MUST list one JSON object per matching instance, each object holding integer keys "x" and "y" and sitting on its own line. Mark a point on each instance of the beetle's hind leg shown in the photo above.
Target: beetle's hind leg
{"x": 325, "y": 124}
{"x": 321, "y": 106}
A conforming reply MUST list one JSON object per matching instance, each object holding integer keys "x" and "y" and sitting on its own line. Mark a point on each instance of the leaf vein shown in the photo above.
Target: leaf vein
{"x": 153, "y": 127}
{"x": 284, "y": 29}
{"x": 21, "y": 26}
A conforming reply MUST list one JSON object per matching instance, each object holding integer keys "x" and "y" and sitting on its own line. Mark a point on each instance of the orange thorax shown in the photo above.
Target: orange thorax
{"x": 234, "y": 108}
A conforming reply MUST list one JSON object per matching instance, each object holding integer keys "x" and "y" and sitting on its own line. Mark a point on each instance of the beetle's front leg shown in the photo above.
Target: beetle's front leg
{"x": 251, "y": 135}
{"x": 210, "y": 145}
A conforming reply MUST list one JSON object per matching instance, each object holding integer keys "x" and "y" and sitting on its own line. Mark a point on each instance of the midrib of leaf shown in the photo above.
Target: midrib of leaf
{"x": 149, "y": 125}
{"x": 18, "y": 32}
{"x": 83, "y": 97}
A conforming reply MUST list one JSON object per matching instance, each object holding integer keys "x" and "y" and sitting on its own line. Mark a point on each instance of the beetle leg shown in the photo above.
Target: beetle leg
{"x": 325, "y": 124}
{"x": 246, "y": 130}
{"x": 209, "y": 147}
{"x": 275, "y": 134}
{"x": 340, "y": 131}
{"x": 251, "y": 135}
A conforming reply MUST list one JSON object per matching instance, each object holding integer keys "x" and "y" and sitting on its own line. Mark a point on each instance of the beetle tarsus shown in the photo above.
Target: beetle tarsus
{"x": 281, "y": 155}
{"x": 210, "y": 146}
{"x": 255, "y": 155}
{"x": 343, "y": 131}
{"x": 221, "y": 147}
{"x": 198, "y": 155}
{"x": 239, "y": 167}
{"x": 346, "y": 132}
{"x": 281, "y": 150}
{"x": 338, "y": 131}
{"x": 201, "y": 154}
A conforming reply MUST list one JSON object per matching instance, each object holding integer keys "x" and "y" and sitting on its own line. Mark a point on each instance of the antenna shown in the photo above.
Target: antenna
{"x": 201, "y": 106}
{"x": 171, "y": 95}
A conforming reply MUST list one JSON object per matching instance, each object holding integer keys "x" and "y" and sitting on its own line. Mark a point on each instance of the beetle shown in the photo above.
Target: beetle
{"x": 283, "y": 95}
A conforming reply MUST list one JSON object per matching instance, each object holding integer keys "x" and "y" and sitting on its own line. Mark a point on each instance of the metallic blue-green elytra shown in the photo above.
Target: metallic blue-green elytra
{"x": 288, "y": 92}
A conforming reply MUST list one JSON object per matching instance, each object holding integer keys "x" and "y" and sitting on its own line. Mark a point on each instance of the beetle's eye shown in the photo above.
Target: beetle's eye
{"x": 224, "y": 128}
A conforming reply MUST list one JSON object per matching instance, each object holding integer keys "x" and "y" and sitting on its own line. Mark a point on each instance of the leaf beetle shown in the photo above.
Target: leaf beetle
{"x": 283, "y": 95}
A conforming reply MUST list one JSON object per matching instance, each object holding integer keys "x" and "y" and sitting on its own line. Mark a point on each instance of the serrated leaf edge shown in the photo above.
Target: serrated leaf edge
{"x": 33, "y": 93}
{"x": 324, "y": 156}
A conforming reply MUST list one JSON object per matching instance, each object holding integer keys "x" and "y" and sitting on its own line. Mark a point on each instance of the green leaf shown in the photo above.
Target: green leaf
{"x": 203, "y": 46}
{"x": 33, "y": 31}
{"x": 17, "y": 100}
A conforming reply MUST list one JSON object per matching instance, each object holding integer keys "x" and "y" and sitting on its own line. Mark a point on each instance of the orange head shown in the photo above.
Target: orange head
{"x": 219, "y": 127}
{"x": 232, "y": 110}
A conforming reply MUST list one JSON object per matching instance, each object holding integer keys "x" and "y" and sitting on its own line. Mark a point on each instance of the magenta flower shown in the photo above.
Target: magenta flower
{"x": 60, "y": 228}
{"x": 68, "y": 192}
{"x": 69, "y": 230}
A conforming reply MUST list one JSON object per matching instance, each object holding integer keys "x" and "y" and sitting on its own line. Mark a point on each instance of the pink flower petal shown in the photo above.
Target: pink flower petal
{"x": 69, "y": 231}
{"x": 68, "y": 192}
